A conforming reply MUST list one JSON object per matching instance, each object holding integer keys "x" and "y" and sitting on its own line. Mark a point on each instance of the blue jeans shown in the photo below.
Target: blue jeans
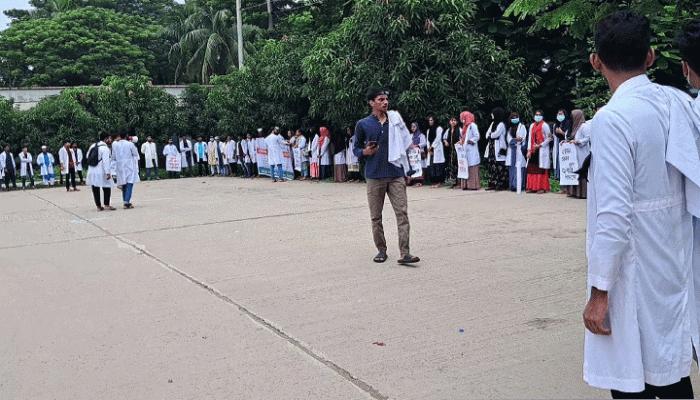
{"x": 126, "y": 192}
{"x": 148, "y": 172}
{"x": 279, "y": 171}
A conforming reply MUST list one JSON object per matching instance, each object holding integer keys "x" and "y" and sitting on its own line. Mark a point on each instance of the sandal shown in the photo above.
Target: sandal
{"x": 380, "y": 257}
{"x": 408, "y": 259}
{"x": 110, "y": 208}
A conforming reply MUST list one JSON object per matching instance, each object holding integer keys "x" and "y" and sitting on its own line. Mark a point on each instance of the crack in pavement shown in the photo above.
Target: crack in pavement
{"x": 269, "y": 325}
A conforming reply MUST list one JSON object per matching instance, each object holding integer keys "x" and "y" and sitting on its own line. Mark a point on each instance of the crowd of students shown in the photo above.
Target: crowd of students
{"x": 510, "y": 146}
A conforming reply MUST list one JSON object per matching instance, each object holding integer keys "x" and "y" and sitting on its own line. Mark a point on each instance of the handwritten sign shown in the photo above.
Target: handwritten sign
{"x": 569, "y": 163}
{"x": 462, "y": 165}
{"x": 415, "y": 161}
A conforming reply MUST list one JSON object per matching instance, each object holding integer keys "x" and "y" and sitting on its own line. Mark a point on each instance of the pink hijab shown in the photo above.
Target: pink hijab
{"x": 324, "y": 134}
{"x": 468, "y": 119}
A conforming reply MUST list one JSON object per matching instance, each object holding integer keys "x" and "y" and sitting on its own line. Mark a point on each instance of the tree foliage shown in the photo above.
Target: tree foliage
{"x": 427, "y": 53}
{"x": 77, "y": 47}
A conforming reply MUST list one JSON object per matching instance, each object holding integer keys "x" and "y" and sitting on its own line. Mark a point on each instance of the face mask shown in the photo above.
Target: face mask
{"x": 538, "y": 118}
{"x": 211, "y": 140}
{"x": 515, "y": 120}
{"x": 560, "y": 118}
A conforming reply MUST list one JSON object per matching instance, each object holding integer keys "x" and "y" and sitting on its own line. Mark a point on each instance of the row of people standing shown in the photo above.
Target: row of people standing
{"x": 513, "y": 150}
{"x": 70, "y": 163}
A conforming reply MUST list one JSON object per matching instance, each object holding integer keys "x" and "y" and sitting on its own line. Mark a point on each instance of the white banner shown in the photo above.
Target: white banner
{"x": 569, "y": 163}
{"x": 264, "y": 164}
{"x": 414, "y": 161}
{"x": 173, "y": 162}
{"x": 462, "y": 165}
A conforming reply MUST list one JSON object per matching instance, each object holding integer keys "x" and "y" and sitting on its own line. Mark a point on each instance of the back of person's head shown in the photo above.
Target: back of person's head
{"x": 622, "y": 41}
{"x": 689, "y": 44}
{"x": 103, "y": 136}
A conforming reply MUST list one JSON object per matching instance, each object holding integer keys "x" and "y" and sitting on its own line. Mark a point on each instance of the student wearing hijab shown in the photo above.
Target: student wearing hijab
{"x": 578, "y": 128}
{"x": 497, "y": 151}
{"x": 516, "y": 137}
{"x": 452, "y": 138}
{"x": 419, "y": 142}
{"x": 561, "y": 129}
{"x": 470, "y": 141}
{"x": 538, "y": 155}
{"x": 436, "y": 153}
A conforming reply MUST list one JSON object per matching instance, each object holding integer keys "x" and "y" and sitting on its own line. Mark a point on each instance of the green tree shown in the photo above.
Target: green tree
{"x": 8, "y": 123}
{"x": 427, "y": 53}
{"x": 204, "y": 41}
{"x": 77, "y": 47}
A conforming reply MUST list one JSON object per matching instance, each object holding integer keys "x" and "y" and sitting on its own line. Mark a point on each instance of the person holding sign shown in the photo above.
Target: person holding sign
{"x": 538, "y": 155}
{"x": 640, "y": 318}
{"x": 436, "y": 151}
{"x": 580, "y": 138}
{"x": 516, "y": 137}
{"x": 417, "y": 156}
{"x": 173, "y": 159}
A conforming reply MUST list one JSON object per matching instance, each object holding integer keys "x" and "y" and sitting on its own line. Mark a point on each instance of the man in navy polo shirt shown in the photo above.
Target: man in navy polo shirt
{"x": 383, "y": 177}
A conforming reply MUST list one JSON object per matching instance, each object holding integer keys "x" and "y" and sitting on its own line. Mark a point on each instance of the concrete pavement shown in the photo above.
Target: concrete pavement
{"x": 226, "y": 288}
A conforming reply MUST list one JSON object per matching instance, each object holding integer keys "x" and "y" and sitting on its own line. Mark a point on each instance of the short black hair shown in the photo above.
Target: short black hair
{"x": 689, "y": 44}
{"x": 374, "y": 92}
{"x": 622, "y": 41}
{"x": 103, "y": 136}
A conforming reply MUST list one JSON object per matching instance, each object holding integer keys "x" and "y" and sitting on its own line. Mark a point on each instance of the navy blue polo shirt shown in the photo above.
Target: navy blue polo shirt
{"x": 377, "y": 166}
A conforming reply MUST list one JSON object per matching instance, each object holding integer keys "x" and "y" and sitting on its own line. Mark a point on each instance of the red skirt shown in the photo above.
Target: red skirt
{"x": 537, "y": 178}
{"x": 314, "y": 170}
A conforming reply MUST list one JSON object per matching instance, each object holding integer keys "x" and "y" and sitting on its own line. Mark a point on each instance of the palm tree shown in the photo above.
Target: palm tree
{"x": 204, "y": 40}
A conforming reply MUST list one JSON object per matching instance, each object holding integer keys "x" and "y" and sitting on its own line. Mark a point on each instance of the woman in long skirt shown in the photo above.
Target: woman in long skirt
{"x": 340, "y": 168}
{"x": 580, "y": 137}
{"x": 470, "y": 141}
{"x": 497, "y": 150}
{"x": 538, "y": 155}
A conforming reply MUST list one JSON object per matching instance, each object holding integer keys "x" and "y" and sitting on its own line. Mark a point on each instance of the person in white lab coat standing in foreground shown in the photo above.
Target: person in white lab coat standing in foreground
{"x": 639, "y": 318}
{"x": 125, "y": 158}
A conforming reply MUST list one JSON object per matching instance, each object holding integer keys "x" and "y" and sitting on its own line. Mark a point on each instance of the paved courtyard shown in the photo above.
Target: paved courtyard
{"x": 221, "y": 288}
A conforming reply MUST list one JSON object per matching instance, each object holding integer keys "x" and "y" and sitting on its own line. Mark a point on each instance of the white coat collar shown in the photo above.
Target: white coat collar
{"x": 631, "y": 84}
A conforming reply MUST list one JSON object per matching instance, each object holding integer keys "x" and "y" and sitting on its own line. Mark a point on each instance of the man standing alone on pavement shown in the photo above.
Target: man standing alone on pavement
{"x": 150, "y": 156}
{"x": 382, "y": 140}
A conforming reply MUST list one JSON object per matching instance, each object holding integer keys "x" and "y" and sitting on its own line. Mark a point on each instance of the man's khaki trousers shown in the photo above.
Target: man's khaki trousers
{"x": 377, "y": 189}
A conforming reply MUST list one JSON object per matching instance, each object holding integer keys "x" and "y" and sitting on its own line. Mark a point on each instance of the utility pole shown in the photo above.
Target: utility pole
{"x": 269, "y": 13}
{"x": 239, "y": 28}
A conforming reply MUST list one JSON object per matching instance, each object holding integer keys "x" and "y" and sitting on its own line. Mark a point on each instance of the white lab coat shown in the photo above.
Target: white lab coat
{"x": 97, "y": 175}
{"x": 231, "y": 147}
{"x": 150, "y": 154}
{"x": 25, "y": 164}
{"x": 438, "y": 156}
{"x": 323, "y": 152}
{"x": 274, "y": 145}
{"x": 473, "y": 156}
{"x": 125, "y": 157}
{"x": 63, "y": 159}
{"x": 520, "y": 160}
{"x": 639, "y": 245}
{"x": 259, "y": 144}
{"x": 5, "y": 160}
{"x": 315, "y": 149}
{"x": 170, "y": 150}
{"x": 583, "y": 137}
{"x": 500, "y": 140}
{"x": 46, "y": 169}
{"x": 350, "y": 157}
{"x": 301, "y": 145}
{"x": 79, "y": 159}
{"x": 201, "y": 150}
{"x": 545, "y": 160}
{"x": 244, "y": 156}
{"x": 186, "y": 153}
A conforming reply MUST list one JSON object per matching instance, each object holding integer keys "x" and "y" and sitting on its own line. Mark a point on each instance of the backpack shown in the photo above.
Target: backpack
{"x": 93, "y": 158}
